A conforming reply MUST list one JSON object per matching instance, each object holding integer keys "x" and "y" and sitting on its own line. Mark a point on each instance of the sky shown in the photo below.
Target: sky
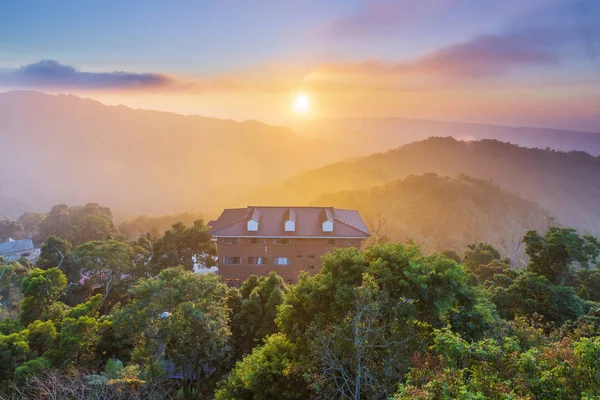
{"x": 510, "y": 62}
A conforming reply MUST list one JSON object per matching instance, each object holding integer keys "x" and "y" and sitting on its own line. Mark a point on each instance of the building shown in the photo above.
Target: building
{"x": 14, "y": 249}
{"x": 287, "y": 240}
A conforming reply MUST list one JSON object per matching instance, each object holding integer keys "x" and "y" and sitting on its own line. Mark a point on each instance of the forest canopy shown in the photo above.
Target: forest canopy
{"x": 114, "y": 317}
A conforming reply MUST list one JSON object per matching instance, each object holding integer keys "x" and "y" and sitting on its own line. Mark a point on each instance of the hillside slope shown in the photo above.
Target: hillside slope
{"x": 441, "y": 212}
{"x": 72, "y": 150}
{"x": 380, "y": 134}
{"x": 565, "y": 184}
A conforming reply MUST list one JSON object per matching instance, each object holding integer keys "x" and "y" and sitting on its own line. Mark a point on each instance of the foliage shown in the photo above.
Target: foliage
{"x": 269, "y": 372}
{"x": 10, "y": 229}
{"x": 108, "y": 264}
{"x": 562, "y": 367}
{"x": 182, "y": 245}
{"x": 53, "y": 252}
{"x": 383, "y": 322}
{"x": 41, "y": 290}
{"x": 155, "y": 225}
{"x": 367, "y": 354}
{"x": 480, "y": 254}
{"x": 11, "y": 275}
{"x": 551, "y": 255}
{"x": 183, "y": 318}
{"x": 78, "y": 224}
{"x": 253, "y": 316}
{"x": 437, "y": 288}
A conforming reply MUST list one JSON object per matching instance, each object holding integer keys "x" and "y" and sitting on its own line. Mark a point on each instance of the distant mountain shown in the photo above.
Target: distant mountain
{"x": 62, "y": 148}
{"x": 379, "y": 134}
{"x": 441, "y": 212}
{"x": 564, "y": 183}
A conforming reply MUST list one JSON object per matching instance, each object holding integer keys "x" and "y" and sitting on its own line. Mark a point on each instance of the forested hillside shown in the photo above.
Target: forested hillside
{"x": 64, "y": 149}
{"x": 565, "y": 184}
{"x": 441, "y": 212}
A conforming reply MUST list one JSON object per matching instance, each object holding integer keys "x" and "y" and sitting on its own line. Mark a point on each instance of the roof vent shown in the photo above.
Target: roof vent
{"x": 326, "y": 220}
{"x": 290, "y": 220}
{"x": 252, "y": 224}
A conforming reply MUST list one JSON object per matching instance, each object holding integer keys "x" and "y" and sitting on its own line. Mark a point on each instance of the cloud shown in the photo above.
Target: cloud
{"x": 482, "y": 56}
{"x": 374, "y": 17}
{"x": 52, "y": 74}
{"x": 487, "y": 55}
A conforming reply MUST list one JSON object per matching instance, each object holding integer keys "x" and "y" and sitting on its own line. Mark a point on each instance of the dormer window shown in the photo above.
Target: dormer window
{"x": 290, "y": 226}
{"x": 290, "y": 220}
{"x": 326, "y": 220}
{"x": 252, "y": 224}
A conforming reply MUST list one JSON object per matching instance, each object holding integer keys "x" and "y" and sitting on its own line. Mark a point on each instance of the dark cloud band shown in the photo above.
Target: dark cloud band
{"x": 51, "y": 73}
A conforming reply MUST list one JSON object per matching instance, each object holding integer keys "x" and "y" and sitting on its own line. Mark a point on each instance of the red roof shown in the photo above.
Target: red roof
{"x": 346, "y": 223}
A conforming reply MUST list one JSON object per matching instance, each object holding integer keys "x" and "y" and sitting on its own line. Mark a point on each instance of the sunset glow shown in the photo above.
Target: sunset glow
{"x": 301, "y": 104}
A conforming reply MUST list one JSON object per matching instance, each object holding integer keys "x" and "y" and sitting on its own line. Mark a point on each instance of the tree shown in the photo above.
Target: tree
{"x": 31, "y": 221}
{"x": 94, "y": 227}
{"x": 14, "y": 350}
{"x": 551, "y": 255}
{"x": 76, "y": 341}
{"x": 480, "y": 254}
{"x": 531, "y": 294}
{"x": 182, "y": 245}
{"x": 57, "y": 223}
{"x": 78, "y": 224}
{"x": 182, "y": 318}
{"x": 10, "y": 229}
{"x": 269, "y": 372}
{"x": 437, "y": 288}
{"x": 41, "y": 290}
{"x": 378, "y": 226}
{"x": 254, "y": 317}
{"x": 367, "y": 354}
{"x": 107, "y": 263}
{"x": 53, "y": 252}
{"x": 11, "y": 275}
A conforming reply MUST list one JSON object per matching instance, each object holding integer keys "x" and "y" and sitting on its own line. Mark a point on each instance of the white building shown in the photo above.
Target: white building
{"x": 14, "y": 249}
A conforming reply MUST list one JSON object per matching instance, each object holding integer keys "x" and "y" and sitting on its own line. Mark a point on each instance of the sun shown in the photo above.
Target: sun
{"x": 301, "y": 104}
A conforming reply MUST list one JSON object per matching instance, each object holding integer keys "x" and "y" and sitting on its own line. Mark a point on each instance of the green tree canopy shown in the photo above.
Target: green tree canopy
{"x": 181, "y": 245}
{"x": 53, "y": 252}
{"x": 551, "y": 255}
{"x": 41, "y": 290}
{"x": 181, "y": 317}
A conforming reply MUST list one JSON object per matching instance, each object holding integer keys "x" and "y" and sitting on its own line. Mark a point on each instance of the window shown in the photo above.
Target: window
{"x": 350, "y": 243}
{"x": 257, "y": 260}
{"x": 257, "y": 241}
{"x": 311, "y": 267}
{"x": 330, "y": 241}
{"x": 282, "y": 261}
{"x": 311, "y": 257}
{"x": 282, "y": 241}
{"x": 25, "y": 254}
{"x": 232, "y": 260}
{"x": 230, "y": 241}
{"x": 299, "y": 256}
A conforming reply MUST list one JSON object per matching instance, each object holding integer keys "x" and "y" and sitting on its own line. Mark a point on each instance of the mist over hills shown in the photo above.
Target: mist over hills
{"x": 66, "y": 149}
{"x": 564, "y": 183}
{"x": 441, "y": 212}
{"x": 380, "y": 134}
